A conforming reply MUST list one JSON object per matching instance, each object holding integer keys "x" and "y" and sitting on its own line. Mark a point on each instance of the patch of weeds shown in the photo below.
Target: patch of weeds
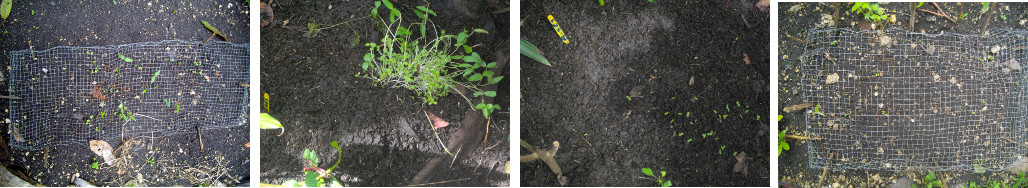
{"x": 930, "y": 181}
{"x": 722, "y": 149}
{"x": 660, "y": 180}
{"x": 817, "y": 110}
{"x": 979, "y": 167}
{"x": 1017, "y": 181}
{"x": 425, "y": 64}
{"x": 871, "y": 11}
{"x": 96, "y": 164}
{"x": 1004, "y": 17}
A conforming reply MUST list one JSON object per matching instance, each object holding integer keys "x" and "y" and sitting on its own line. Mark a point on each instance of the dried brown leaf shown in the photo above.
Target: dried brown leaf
{"x": 437, "y": 122}
{"x": 797, "y": 107}
{"x": 102, "y": 149}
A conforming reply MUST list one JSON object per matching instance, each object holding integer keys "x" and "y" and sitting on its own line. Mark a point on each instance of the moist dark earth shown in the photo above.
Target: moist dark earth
{"x": 700, "y": 103}
{"x": 314, "y": 91}
{"x": 796, "y": 18}
{"x": 40, "y": 25}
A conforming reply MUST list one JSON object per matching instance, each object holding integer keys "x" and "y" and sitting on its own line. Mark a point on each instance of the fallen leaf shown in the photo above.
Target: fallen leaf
{"x": 97, "y": 93}
{"x": 741, "y": 164}
{"x": 247, "y": 144}
{"x": 692, "y": 80}
{"x": 266, "y": 10}
{"x": 437, "y": 122}
{"x": 763, "y": 5}
{"x": 833, "y": 78}
{"x": 797, "y": 107}
{"x": 102, "y": 149}
{"x": 746, "y": 58}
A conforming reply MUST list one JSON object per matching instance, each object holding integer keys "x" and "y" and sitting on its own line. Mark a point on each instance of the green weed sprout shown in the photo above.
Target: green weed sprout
{"x": 660, "y": 180}
{"x": 930, "y": 181}
{"x": 315, "y": 176}
{"x": 782, "y": 145}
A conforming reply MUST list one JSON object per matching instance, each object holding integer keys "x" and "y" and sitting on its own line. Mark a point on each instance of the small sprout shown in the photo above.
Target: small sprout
{"x": 126, "y": 59}
{"x": 690, "y": 140}
{"x": 629, "y": 98}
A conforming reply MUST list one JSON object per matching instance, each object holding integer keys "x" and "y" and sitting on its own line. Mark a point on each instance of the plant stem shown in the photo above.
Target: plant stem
{"x": 436, "y": 134}
{"x": 937, "y": 14}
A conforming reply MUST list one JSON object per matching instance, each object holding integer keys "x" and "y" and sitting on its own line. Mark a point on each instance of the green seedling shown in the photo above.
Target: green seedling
{"x": 96, "y": 164}
{"x": 629, "y": 98}
{"x": 601, "y": 3}
{"x": 487, "y": 108}
{"x": 660, "y": 180}
{"x": 782, "y": 145}
{"x": 817, "y": 110}
{"x": 176, "y": 108}
{"x": 123, "y": 58}
{"x": 722, "y": 149}
{"x": 5, "y": 8}
{"x": 214, "y": 30}
{"x": 985, "y": 7}
{"x": 154, "y": 78}
{"x": 1004, "y": 17}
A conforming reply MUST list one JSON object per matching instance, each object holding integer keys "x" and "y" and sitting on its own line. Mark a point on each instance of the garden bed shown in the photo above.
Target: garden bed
{"x": 386, "y": 139}
{"x": 699, "y": 71}
{"x": 145, "y": 161}
{"x": 939, "y": 94}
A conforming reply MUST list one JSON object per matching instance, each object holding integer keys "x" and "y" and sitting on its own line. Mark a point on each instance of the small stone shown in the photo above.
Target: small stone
{"x": 995, "y": 49}
{"x": 45, "y": 70}
{"x": 1013, "y": 64}
{"x": 52, "y": 3}
{"x": 834, "y": 77}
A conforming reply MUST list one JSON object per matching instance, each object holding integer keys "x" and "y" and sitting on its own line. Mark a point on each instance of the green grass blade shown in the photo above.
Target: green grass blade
{"x": 530, "y": 50}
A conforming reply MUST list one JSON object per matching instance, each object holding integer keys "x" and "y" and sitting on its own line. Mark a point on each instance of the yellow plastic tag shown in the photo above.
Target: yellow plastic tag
{"x": 557, "y": 28}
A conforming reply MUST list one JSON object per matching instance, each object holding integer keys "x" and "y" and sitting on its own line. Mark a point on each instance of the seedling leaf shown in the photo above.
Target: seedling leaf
{"x": 647, "y": 171}
{"x": 5, "y": 8}
{"x": 530, "y": 50}
{"x": 268, "y": 122}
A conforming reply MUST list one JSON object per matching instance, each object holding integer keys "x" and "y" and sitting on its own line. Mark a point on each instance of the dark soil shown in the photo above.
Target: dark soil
{"x": 45, "y": 24}
{"x": 385, "y": 137}
{"x": 793, "y": 164}
{"x": 606, "y": 138}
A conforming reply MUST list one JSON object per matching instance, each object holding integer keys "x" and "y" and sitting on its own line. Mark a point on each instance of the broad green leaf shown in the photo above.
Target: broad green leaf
{"x": 5, "y": 8}
{"x": 419, "y": 14}
{"x": 268, "y": 122}
{"x": 473, "y": 58}
{"x": 490, "y": 93}
{"x": 496, "y": 80}
{"x": 312, "y": 179}
{"x": 335, "y": 144}
{"x": 647, "y": 171}
{"x": 467, "y": 49}
{"x": 422, "y": 30}
{"x": 533, "y": 52}
{"x": 388, "y": 4}
{"x": 667, "y": 183}
{"x": 310, "y": 155}
{"x": 461, "y": 38}
{"x": 426, "y": 10}
{"x": 478, "y": 93}
{"x": 475, "y": 77}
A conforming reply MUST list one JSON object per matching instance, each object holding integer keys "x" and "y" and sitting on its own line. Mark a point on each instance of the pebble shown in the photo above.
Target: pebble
{"x": 52, "y": 3}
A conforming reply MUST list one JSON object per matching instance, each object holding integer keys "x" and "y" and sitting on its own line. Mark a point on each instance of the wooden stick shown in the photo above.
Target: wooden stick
{"x": 940, "y": 15}
{"x": 487, "y": 121}
{"x": 424, "y": 184}
{"x": 199, "y": 137}
{"x": 940, "y": 9}
{"x": 825, "y": 171}
{"x": 797, "y": 39}
{"x": 913, "y": 12}
{"x": 992, "y": 7}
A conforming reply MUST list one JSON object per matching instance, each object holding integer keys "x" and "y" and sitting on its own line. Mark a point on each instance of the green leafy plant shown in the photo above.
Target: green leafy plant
{"x": 985, "y": 7}
{"x": 154, "y": 78}
{"x": 214, "y": 31}
{"x": 425, "y": 64}
{"x": 530, "y": 50}
{"x": 1017, "y": 181}
{"x": 782, "y": 145}
{"x": 125, "y": 113}
{"x": 601, "y": 2}
{"x": 870, "y": 10}
{"x": 660, "y": 180}
{"x": 96, "y": 164}
{"x": 930, "y": 181}
{"x": 315, "y": 176}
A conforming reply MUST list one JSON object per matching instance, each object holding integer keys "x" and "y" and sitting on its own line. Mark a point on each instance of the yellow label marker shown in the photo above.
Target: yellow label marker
{"x": 557, "y": 28}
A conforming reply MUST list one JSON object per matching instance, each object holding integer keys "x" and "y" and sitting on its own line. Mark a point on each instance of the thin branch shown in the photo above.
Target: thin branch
{"x": 937, "y": 14}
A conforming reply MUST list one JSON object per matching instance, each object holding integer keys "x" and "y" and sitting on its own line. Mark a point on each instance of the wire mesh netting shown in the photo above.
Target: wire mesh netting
{"x": 70, "y": 95}
{"x": 895, "y": 100}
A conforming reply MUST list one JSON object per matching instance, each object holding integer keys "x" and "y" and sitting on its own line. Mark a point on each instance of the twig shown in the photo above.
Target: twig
{"x": 487, "y": 121}
{"x": 797, "y": 39}
{"x": 437, "y": 135}
{"x": 199, "y": 136}
{"x": 9, "y": 97}
{"x": 490, "y": 147}
{"x": 455, "y": 156}
{"x": 586, "y": 141}
{"x": 943, "y": 12}
{"x": 913, "y": 12}
{"x": 825, "y": 171}
{"x": 989, "y": 17}
{"x": 940, "y": 15}
{"x": 146, "y": 116}
{"x": 433, "y": 183}
{"x": 835, "y": 16}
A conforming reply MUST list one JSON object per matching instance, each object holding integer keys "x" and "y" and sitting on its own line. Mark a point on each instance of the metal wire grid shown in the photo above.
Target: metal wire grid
{"x": 200, "y": 86}
{"x": 913, "y": 101}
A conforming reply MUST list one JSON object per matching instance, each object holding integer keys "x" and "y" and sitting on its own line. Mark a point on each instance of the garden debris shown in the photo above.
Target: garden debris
{"x": 832, "y": 78}
{"x": 102, "y": 149}
{"x": 79, "y": 182}
{"x": 742, "y": 164}
{"x": 437, "y": 122}
{"x": 1019, "y": 166}
{"x": 746, "y": 58}
{"x": 692, "y": 80}
{"x": 636, "y": 91}
{"x": 547, "y": 157}
{"x": 1012, "y": 64}
{"x": 797, "y": 107}
{"x": 763, "y": 5}
{"x": 97, "y": 93}
{"x": 267, "y": 15}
